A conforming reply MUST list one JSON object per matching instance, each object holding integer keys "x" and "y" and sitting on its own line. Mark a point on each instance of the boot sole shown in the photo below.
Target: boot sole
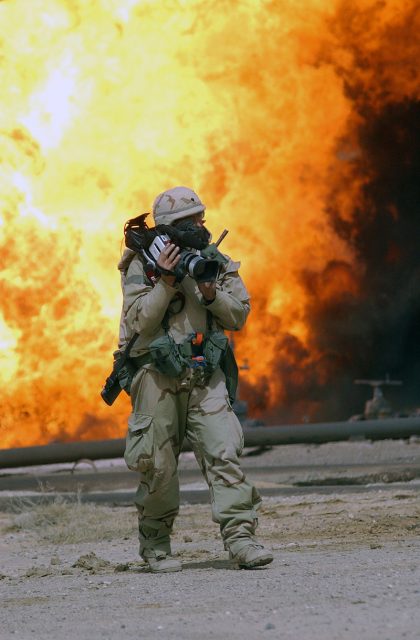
{"x": 172, "y": 570}
{"x": 258, "y": 562}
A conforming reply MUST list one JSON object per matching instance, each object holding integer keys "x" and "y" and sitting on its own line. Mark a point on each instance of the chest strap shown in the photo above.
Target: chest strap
{"x": 140, "y": 361}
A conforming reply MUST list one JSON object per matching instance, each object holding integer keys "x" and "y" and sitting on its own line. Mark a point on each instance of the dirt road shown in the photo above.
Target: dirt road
{"x": 345, "y": 567}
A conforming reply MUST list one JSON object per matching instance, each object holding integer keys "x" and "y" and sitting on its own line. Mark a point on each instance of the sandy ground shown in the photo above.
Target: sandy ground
{"x": 346, "y": 565}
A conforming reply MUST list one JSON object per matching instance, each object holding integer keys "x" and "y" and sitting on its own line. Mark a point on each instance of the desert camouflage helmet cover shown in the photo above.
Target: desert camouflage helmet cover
{"x": 176, "y": 203}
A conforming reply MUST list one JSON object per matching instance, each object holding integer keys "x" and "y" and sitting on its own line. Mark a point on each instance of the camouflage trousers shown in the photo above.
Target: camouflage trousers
{"x": 165, "y": 410}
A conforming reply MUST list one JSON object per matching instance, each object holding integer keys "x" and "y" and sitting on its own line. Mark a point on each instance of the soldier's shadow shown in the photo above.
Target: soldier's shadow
{"x": 226, "y": 565}
{"x": 209, "y": 564}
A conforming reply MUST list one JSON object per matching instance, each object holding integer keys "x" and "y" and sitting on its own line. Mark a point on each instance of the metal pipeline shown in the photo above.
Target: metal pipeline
{"x": 317, "y": 433}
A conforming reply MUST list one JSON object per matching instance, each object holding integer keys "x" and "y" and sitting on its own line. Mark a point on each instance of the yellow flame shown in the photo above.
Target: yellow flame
{"x": 105, "y": 104}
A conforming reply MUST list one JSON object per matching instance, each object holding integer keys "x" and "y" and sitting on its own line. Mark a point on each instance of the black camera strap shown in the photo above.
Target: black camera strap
{"x": 138, "y": 361}
{"x": 209, "y": 320}
{"x": 126, "y": 353}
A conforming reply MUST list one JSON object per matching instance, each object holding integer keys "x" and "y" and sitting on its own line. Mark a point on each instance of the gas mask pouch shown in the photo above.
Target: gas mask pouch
{"x": 215, "y": 345}
{"x": 218, "y": 353}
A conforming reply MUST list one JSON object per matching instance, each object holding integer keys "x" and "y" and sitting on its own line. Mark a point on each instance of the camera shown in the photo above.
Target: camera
{"x": 200, "y": 269}
{"x": 192, "y": 241}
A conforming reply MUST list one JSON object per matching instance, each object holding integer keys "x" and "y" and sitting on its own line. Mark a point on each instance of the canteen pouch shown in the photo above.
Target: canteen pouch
{"x": 166, "y": 356}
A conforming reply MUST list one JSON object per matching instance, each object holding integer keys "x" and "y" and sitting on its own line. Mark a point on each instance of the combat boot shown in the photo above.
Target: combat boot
{"x": 161, "y": 562}
{"x": 251, "y": 556}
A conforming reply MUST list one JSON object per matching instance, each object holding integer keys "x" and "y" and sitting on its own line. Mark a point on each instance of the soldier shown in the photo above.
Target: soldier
{"x": 194, "y": 404}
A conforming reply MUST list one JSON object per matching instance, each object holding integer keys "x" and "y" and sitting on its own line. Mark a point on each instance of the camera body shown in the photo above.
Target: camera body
{"x": 150, "y": 242}
{"x": 191, "y": 262}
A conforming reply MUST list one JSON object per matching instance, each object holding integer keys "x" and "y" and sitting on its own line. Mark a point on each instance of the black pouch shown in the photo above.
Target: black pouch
{"x": 122, "y": 374}
{"x": 126, "y": 374}
{"x": 120, "y": 378}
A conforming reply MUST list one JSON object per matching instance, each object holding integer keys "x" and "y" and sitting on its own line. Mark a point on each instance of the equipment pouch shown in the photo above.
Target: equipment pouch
{"x": 215, "y": 345}
{"x": 218, "y": 352}
{"x": 166, "y": 356}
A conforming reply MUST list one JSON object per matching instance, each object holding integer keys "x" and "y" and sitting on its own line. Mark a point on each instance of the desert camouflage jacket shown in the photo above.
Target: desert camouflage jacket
{"x": 145, "y": 305}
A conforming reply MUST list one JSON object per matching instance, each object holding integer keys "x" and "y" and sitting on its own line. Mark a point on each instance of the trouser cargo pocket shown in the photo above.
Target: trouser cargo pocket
{"x": 139, "y": 448}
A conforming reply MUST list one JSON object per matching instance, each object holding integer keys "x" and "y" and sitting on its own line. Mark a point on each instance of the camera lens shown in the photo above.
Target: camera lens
{"x": 193, "y": 265}
{"x": 200, "y": 269}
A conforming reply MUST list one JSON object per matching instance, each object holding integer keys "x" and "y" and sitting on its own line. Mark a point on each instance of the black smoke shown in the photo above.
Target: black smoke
{"x": 376, "y": 332}
{"x": 370, "y": 327}
{"x": 380, "y": 329}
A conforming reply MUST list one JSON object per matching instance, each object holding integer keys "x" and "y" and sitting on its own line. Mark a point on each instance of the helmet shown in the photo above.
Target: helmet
{"x": 176, "y": 203}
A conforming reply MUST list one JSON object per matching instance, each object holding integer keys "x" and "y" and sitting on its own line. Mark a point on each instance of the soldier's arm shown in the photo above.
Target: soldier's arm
{"x": 145, "y": 305}
{"x": 231, "y": 304}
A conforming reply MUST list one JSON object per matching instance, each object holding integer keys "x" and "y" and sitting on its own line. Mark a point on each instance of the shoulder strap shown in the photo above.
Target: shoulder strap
{"x": 126, "y": 353}
{"x": 165, "y": 321}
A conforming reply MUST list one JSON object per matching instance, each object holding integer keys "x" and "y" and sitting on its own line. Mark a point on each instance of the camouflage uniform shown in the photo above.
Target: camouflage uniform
{"x": 165, "y": 409}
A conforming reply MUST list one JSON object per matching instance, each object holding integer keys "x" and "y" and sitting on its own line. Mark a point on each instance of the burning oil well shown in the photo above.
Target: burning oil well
{"x": 299, "y": 126}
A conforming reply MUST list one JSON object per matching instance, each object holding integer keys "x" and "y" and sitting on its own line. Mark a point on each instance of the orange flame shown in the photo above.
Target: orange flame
{"x": 255, "y": 105}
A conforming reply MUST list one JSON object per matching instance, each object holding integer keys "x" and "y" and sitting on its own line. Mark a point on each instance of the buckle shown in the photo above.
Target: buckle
{"x": 198, "y": 361}
{"x": 197, "y": 354}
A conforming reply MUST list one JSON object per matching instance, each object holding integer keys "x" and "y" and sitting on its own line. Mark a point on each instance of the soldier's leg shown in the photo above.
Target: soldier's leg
{"x": 155, "y": 432}
{"x": 217, "y": 440}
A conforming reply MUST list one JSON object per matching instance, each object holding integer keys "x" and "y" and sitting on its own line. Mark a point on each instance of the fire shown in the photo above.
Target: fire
{"x": 285, "y": 119}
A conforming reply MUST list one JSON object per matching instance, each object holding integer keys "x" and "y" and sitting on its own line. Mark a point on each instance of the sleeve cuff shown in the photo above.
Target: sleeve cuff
{"x": 207, "y": 303}
{"x": 168, "y": 287}
{"x": 210, "y": 303}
